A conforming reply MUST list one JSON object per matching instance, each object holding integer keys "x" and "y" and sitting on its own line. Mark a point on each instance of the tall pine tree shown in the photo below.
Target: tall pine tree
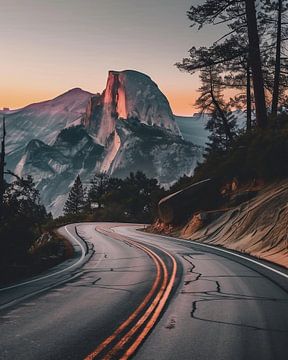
{"x": 211, "y": 101}
{"x": 240, "y": 18}
{"x": 273, "y": 17}
{"x": 218, "y": 140}
{"x": 76, "y": 199}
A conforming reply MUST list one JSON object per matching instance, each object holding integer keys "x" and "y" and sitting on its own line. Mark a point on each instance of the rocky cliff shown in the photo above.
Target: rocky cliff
{"x": 128, "y": 94}
{"x": 129, "y": 127}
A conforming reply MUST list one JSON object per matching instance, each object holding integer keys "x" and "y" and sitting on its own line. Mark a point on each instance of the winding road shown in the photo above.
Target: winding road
{"x": 127, "y": 293}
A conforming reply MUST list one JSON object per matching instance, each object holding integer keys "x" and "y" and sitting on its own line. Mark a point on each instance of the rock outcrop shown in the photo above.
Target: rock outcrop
{"x": 129, "y": 127}
{"x": 128, "y": 95}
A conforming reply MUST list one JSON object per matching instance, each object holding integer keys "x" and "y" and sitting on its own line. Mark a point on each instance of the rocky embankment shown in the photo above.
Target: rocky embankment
{"x": 258, "y": 226}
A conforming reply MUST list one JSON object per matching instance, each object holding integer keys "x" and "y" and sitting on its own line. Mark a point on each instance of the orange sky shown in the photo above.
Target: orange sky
{"x": 181, "y": 102}
{"x": 47, "y": 50}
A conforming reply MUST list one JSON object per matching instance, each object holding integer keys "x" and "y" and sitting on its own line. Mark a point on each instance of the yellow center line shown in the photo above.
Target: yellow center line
{"x": 111, "y": 354}
{"x": 156, "y": 314}
{"x": 128, "y": 321}
{"x": 155, "y": 308}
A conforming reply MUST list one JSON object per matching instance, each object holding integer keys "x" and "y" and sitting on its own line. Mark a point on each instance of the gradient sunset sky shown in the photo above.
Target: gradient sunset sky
{"x": 51, "y": 46}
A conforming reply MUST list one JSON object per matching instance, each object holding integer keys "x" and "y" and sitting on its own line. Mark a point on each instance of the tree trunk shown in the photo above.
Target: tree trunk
{"x": 256, "y": 64}
{"x": 275, "y": 98}
{"x": 2, "y": 167}
{"x": 248, "y": 99}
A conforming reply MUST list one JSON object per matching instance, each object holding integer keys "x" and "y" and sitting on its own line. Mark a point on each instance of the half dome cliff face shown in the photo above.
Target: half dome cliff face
{"x": 128, "y": 128}
{"x": 128, "y": 94}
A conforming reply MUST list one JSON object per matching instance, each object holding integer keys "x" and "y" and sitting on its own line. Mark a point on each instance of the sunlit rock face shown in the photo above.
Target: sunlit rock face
{"x": 128, "y": 94}
{"x": 131, "y": 109}
{"x": 129, "y": 127}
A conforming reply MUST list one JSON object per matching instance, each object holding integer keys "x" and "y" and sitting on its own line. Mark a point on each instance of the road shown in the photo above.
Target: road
{"x": 133, "y": 294}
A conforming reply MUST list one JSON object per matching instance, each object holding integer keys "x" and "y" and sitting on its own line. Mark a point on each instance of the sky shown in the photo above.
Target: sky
{"x": 51, "y": 46}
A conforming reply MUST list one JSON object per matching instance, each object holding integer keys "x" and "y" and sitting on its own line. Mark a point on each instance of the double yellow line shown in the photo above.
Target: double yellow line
{"x": 157, "y": 297}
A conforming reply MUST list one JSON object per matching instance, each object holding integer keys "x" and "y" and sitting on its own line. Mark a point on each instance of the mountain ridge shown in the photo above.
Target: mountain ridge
{"x": 129, "y": 127}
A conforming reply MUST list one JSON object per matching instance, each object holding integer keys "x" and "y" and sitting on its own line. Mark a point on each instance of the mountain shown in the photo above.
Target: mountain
{"x": 43, "y": 121}
{"x": 129, "y": 127}
{"x": 154, "y": 150}
{"x": 129, "y": 98}
{"x": 128, "y": 95}
{"x": 54, "y": 167}
{"x": 193, "y": 128}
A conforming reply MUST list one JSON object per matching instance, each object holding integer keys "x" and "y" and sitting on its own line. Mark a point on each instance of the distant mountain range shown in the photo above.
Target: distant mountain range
{"x": 129, "y": 127}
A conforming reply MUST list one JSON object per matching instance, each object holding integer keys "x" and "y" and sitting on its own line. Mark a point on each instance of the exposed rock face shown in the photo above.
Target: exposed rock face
{"x": 131, "y": 147}
{"x": 42, "y": 161}
{"x": 117, "y": 120}
{"x": 153, "y": 150}
{"x": 43, "y": 121}
{"x": 54, "y": 168}
{"x": 92, "y": 117}
{"x": 257, "y": 227}
{"x": 129, "y": 127}
{"x": 128, "y": 94}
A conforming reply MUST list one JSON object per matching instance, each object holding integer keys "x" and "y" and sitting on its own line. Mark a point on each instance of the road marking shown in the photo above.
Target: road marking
{"x": 127, "y": 322}
{"x": 25, "y": 297}
{"x": 225, "y": 251}
{"x": 156, "y": 314}
{"x": 238, "y": 255}
{"x": 154, "y": 309}
{"x": 53, "y": 274}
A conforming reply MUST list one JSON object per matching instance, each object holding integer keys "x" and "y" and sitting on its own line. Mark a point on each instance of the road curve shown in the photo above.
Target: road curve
{"x": 104, "y": 309}
{"x": 201, "y": 303}
{"x": 23, "y": 290}
{"x": 228, "y": 306}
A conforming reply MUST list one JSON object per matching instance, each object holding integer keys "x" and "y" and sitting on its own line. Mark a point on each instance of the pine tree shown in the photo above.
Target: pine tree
{"x": 22, "y": 199}
{"x": 231, "y": 60}
{"x": 241, "y": 20}
{"x": 76, "y": 199}
{"x": 273, "y": 17}
{"x": 276, "y": 85}
{"x": 99, "y": 186}
{"x": 221, "y": 123}
{"x": 211, "y": 99}
{"x": 218, "y": 140}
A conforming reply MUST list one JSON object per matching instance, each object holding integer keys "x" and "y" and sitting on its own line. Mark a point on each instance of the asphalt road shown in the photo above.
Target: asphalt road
{"x": 132, "y": 294}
